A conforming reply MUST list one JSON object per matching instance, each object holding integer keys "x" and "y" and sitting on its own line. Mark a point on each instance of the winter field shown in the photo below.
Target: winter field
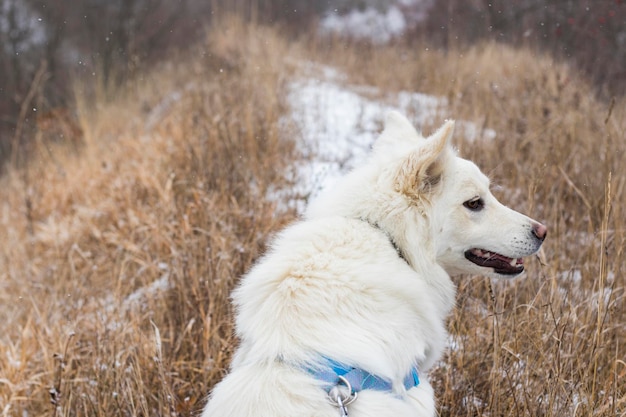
{"x": 118, "y": 254}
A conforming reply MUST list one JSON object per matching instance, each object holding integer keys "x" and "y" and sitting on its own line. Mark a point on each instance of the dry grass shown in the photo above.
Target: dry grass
{"x": 116, "y": 264}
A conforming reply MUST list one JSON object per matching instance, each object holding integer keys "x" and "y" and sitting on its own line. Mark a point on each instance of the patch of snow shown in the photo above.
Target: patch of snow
{"x": 113, "y": 312}
{"x": 378, "y": 25}
{"x": 602, "y": 299}
{"x": 572, "y": 276}
{"x": 161, "y": 109}
{"x": 453, "y": 344}
{"x": 369, "y": 24}
{"x": 338, "y": 123}
{"x": 143, "y": 294}
{"x": 12, "y": 361}
{"x": 473, "y": 402}
{"x": 472, "y": 132}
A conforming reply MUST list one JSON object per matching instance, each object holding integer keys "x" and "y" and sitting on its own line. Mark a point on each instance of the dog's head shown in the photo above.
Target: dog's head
{"x": 471, "y": 231}
{"x": 433, "y": 204}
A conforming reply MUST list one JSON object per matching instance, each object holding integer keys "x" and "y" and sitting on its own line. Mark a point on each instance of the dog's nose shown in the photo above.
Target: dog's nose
{"x": 540, "y": 231}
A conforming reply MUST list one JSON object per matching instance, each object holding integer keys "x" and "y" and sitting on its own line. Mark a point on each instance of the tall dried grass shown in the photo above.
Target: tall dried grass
{"x": 116, "y": 264}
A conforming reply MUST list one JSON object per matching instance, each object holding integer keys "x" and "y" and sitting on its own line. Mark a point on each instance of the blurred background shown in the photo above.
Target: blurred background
{"x": 47, "y": 46}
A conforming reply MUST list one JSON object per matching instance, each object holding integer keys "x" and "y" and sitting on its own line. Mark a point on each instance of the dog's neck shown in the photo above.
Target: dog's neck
{"x": 389, "y": 237}
{"x": 444, "y": 288}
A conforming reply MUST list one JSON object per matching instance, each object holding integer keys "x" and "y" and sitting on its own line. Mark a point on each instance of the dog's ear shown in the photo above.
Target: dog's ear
{"x": 423, "y": 168}
{"x": 398, "y": 128}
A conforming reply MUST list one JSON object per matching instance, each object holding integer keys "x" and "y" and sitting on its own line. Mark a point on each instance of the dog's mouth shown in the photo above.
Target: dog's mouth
{"x": 501, "y": 264}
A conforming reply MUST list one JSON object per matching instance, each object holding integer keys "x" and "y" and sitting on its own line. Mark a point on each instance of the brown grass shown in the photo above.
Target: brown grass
{"x": 116, "y": 264}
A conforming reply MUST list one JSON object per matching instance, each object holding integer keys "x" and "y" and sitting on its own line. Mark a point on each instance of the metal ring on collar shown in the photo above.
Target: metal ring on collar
{"x": 335, "y": 397}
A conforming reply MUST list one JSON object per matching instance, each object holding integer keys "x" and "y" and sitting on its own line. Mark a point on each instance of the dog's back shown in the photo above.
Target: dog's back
{"x": 329, "y": 288}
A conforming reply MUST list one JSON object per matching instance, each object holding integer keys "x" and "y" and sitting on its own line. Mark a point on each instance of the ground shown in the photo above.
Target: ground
{"x": 118, "y": 257}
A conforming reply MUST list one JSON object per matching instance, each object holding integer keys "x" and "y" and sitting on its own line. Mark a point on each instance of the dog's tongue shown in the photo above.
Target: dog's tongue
{"x": 500, "y": 263}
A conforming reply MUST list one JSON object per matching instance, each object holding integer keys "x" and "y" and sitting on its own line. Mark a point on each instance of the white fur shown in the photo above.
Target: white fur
{"x": 334, "y": 285}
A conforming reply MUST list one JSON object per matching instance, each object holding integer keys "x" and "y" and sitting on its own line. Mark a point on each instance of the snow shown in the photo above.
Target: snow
{"x": 338, "y": 122}
{"x": 142, "y": 295}
{"x": 113, "y": 312}
{"x": 369, "y": 24}
{"x": 376, "y": 25}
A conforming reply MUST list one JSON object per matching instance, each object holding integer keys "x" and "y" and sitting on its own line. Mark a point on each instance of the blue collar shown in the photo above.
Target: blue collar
{"x": 329, "y": 371}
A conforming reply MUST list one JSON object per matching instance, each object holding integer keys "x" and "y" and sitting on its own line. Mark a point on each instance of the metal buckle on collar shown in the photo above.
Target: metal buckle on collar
{"x": 341, "y": 400}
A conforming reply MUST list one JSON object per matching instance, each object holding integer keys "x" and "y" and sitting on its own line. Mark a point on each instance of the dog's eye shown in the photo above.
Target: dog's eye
{"x": 475, "y": 204}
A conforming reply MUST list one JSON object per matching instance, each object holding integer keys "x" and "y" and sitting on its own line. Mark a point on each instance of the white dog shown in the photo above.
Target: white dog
{"x": 345, "y": 314}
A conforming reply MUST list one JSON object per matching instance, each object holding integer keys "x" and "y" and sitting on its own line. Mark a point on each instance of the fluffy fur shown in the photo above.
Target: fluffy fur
{"x": 364, "y": 279}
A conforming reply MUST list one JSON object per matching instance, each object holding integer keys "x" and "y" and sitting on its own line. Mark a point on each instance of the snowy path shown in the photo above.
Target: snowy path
{"x": 337, "y": 123}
